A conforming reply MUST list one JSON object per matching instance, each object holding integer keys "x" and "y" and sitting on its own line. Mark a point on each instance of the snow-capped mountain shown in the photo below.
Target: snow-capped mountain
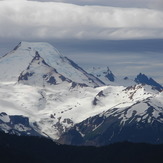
{"x": 105, "y": 74}
{"x": 137, "y": 117}
{"x": 45, "y": 93}
{"x": 18, "y": 60}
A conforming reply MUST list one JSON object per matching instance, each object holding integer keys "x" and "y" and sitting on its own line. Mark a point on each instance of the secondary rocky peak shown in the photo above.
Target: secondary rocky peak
{"x": 143, "y": 79}
{"x": 109, "y": 75}
{"x": 103, "y": 73}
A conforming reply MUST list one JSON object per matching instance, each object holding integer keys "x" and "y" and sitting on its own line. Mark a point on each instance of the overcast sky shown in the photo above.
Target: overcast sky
{"x": 157, "y": 4}
{"x": 124, "y": 34}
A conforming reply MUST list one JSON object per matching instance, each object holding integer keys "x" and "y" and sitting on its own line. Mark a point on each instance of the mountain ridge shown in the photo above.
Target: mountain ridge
{"x": 109, "y": 78}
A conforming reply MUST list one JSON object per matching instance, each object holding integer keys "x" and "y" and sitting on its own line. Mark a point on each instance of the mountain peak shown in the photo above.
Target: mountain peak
{"x": 103, "y": 73}
{"x": 37, "y": 46}
{"x": 110, "y": 75}
{"x": 33, "y": 44}
{"x": 17, "y": 61}
{"x": 143, "y": 79}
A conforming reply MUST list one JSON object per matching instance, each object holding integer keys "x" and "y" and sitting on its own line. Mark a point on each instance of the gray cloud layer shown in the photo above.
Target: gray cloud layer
{"x": 28, "y": 19}
{"x": 82, "y": 32}
{"x": 156, "y": 4}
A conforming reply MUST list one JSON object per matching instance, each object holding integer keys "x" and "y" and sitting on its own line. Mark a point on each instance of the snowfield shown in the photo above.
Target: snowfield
{"x": 68, "y": 106}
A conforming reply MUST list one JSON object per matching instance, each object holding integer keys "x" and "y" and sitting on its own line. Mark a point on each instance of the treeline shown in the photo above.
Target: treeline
{"x": 21, "y": 149}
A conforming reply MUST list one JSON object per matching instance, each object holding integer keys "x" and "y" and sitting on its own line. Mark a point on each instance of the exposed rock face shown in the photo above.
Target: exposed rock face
{"x": 18, "y": 125}
{"x": 143, "y": 79}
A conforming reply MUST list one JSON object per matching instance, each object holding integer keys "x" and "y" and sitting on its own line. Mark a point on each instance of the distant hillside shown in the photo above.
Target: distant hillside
{"x": 21, "y": 149}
